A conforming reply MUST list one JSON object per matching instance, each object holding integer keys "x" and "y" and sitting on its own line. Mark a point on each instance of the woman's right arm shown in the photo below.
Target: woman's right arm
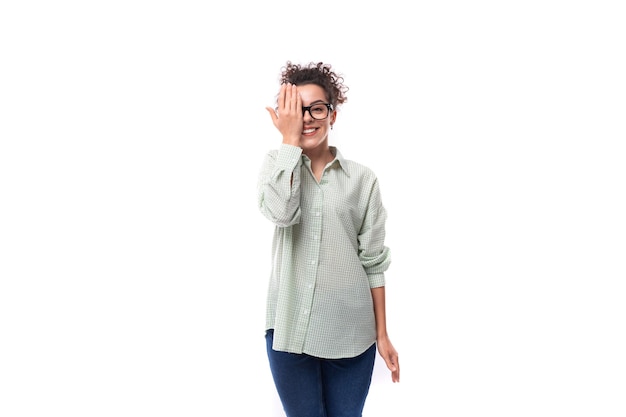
{"x": 279, "y": 182}
{"x": 279, "y": 186}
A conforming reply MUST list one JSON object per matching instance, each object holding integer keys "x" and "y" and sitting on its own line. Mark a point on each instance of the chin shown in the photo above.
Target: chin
{"x": 305, "y": 144}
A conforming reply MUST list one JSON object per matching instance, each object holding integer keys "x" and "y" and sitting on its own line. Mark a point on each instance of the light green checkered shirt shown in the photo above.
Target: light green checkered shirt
{"x": 328, "y": 252}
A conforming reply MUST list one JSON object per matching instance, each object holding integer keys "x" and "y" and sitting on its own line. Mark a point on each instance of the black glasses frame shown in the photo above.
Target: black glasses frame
{"x": 308, "y": 109}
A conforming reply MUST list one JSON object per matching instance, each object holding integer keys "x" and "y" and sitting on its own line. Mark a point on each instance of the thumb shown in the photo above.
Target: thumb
{"x": 392, "y": 361}
{"x": 273, "y": 115}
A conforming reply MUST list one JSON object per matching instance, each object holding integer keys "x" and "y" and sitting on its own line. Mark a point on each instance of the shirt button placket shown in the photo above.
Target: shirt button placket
{"x": 315, "y": 233}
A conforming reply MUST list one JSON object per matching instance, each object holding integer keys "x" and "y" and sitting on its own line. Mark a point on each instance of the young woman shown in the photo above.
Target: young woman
{"x": 326, "y": 298}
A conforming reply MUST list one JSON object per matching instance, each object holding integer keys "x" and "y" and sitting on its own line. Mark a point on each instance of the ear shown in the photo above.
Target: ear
{"x": 333, "y": 117}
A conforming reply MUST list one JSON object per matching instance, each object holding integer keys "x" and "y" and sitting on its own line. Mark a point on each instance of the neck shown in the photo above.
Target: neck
{"x": 319, "y": 154}
{"x": 319, "y": 157}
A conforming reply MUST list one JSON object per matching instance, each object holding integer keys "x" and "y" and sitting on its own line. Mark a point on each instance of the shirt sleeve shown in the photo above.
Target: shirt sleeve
{"x": 374, "y": 255}
{"x": 279, "y": 186}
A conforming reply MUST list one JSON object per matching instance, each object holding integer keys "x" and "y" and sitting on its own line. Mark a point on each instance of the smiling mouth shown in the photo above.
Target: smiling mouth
{"x": 307, "y": 131}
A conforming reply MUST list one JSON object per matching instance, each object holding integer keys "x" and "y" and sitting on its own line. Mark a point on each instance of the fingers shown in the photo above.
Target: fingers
{"x": 298, "y": 104}
{"x": 288, "y": 115}
{"x": 394, "y": 365}
{"x": 281, "y": 96}
{"x": 395, "y": 372}
{"x": 289, "y": 101}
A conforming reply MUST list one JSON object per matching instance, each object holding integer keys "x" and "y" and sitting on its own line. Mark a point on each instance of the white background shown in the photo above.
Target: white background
{"x": 133, "y": 259}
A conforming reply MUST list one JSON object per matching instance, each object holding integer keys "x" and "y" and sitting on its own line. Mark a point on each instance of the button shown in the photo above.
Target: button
{"x": 310, "y": 286}
{"x": 305, "y": 311}
{"x": 312, "y": 262}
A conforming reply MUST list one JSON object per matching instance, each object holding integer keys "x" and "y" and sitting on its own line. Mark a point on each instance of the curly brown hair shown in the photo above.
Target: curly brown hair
{"x": 319, "y": 74}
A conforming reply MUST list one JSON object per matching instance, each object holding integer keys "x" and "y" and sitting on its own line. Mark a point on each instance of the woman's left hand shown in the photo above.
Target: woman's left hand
{"x": 389, "y": 354}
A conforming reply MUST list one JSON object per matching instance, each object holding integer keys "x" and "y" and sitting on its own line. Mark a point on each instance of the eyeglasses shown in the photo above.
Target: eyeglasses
{"x": 318, "y": 111}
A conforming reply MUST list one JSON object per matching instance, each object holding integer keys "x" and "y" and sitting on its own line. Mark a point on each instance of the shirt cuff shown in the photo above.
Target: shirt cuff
{"x": 376, "y": 280}
{"x": 288, "y": 156}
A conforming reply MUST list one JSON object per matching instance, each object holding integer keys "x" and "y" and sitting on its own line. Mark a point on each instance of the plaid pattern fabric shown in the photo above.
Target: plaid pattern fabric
{"x": 327, "y": 253}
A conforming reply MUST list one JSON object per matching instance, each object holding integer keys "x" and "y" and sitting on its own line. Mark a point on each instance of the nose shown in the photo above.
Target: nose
{"x": 307, "y": 115}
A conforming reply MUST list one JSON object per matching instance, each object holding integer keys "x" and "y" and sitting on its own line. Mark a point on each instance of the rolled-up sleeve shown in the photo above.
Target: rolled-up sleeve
{"x": 279, "y": 186}
{"x": 374, "y": 255}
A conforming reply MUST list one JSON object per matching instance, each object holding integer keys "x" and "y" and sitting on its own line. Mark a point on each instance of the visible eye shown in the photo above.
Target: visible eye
{"x": 319, "y": 109}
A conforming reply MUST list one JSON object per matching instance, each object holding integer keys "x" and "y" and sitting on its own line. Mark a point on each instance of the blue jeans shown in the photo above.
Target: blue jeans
{"x": 315, "y": 387}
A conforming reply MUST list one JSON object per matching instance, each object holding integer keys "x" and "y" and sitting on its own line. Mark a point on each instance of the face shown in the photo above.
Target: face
{"x": 314, "y": 132}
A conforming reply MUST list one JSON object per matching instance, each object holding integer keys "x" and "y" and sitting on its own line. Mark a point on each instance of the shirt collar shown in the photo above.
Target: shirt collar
{"x": 339, "y": 158}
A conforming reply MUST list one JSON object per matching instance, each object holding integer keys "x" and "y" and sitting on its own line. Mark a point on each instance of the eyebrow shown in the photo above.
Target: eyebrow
{"x": 316, "y": 102}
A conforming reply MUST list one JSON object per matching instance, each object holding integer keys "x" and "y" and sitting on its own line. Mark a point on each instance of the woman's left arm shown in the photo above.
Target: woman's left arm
{"x": 385, "y": 348}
